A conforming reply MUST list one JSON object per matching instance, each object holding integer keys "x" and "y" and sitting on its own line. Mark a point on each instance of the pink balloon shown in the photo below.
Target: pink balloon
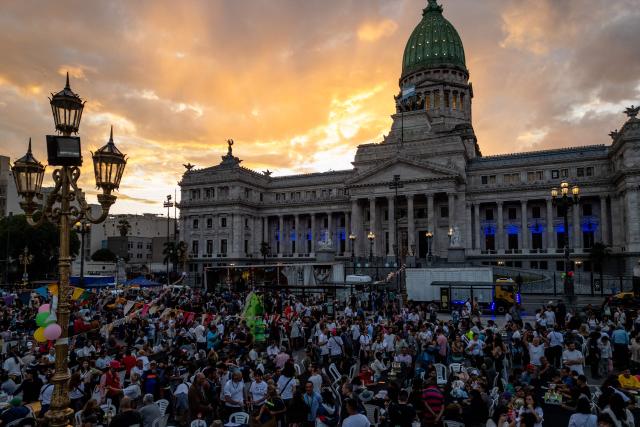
{"x": 52, "y": 332}
{"x": 44, "y": 307}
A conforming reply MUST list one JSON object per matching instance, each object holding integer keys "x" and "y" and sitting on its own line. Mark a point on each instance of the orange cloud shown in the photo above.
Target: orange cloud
{"x": 373, "y": 31}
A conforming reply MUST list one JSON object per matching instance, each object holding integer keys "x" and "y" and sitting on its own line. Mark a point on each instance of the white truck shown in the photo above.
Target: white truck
{"x": 425, "y": 284}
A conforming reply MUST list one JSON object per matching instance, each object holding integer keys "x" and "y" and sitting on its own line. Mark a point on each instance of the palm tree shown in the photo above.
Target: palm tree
{"x": 124, "y": 227}
{"x": 598, "y": 256}
{"x": 170, "y": 253}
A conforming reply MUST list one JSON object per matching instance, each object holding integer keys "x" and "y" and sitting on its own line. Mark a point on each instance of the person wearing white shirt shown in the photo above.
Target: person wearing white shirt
{"x": 234, "y": 393}
{"x": 200, "y": 333}
{"x": 286, "y": 383}
{"x": 573, "y": 359}
{"x": 258, "y": 390}
{"x": 335, "y": 345}
{"x": 536, "y": 351}
{"x": 388, "y": 341}
{"x": 46, "y": 393}
{"x": 354, "y": 419}
{"x": 322, "y": 345}
{"x": 316, "y": 379}
{"x": 556, "y": 340}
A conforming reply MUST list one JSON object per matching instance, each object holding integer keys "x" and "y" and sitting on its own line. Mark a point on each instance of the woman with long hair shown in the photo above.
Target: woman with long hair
{"x": 76, "y": 391}
{"x": 531, "y": 406}
{"x": 617, "y": 410}
{"x": 583, "y": 416}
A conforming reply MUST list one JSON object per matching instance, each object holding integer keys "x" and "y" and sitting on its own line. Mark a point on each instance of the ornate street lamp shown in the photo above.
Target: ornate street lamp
{"x": 65, "y": 206}
{"x": 371, "y": 236}
{"x": 352, "y": 243}
{"x": 25, "y": 259}
{"x": 168, "y": 204}
{"x": 429, "y": 236}
{"x": 564, "y": 201}
{"x": 83, "y": 228}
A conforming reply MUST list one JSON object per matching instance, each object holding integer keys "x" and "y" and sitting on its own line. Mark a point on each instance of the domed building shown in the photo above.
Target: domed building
{"x": 425, "y": 194}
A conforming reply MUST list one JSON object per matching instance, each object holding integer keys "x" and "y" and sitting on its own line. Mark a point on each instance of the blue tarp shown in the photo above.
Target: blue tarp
{"x": 93, "y": 281}
{"x": 142, "y": 282}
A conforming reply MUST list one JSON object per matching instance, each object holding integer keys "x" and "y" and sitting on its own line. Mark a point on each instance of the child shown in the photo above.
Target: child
{"x": 605, "y": 355}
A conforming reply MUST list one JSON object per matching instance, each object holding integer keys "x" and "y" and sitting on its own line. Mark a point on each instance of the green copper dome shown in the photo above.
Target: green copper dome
{"x": 434, "y": 43}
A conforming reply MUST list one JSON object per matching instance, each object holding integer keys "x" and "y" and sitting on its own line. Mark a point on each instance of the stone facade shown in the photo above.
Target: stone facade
{"x": 499, "y": 206}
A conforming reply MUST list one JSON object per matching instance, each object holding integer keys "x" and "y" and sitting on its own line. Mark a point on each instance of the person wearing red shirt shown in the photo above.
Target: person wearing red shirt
{"x": 112, "y": 382}
{"x": 129, "y": 361}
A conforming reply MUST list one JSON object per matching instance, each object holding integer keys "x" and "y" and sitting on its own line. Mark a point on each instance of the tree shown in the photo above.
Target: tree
{"x": 170, "y": 252}
{"x": 599, "y": 255}
{"x": 264, "y": 251}
{"x": 124, "y": 227}
{"x": 104, "y": 255}
{"x": 43, "y": 243}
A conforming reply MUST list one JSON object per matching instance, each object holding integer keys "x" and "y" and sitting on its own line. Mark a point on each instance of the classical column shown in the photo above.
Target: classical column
{"x": 468, "y": 244}
{"x": 577, "y": 229}
{"x": 411, "y": 226}
{"x": 238, "y": 235}
{"x": 329, "y": 228}
{"x": 391, "y": 225}
{"x": 265, "y": 231}
{"x": 297, "y": 236}
{"x": 281, "y": 238}
{"x": 347, "y": 232}
{"x": 452, "y": 207}
{"x": 476, "y": 212}
{"x": 551, "y": 237}
{"x": 525, "y": 226}
{"x": 604, "y": 220}
{"x": 313, "y": 232}
{"x": 500, "y": 230}
{"x": 356, "y": 222}
{"x": 372, "y": 224}
{"x": 633, "y": 228}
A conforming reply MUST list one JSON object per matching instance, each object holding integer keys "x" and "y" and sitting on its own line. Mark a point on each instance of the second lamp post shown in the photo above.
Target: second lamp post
{"x": 563, "y": 200}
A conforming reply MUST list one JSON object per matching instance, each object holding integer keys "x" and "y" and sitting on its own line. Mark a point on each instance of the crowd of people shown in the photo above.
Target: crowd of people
{"x": 372, "y": 359}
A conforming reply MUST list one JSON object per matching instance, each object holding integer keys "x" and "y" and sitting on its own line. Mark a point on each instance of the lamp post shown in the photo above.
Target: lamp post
{"x": 395, "y": 184}
{"x": 83, "y": 228}
{"x": 371, "y": 236}
{"x": 429, "y": 235}
{"x": 25, "y": 259}
{"x": 564, "y": 201}
{"x": 352, "y": 242}
{"x": 65, "y": 154}
{"x": 450, "y": 233}
{"x": 168, "y": 204}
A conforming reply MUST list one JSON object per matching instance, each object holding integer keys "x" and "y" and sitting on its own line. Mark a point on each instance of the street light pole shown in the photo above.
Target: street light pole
{"x": 25, "y": 259}
{"x": 168, "y": 204}
{"x": 352, "y": 240}
{"x": 65, "y": 154}
{"x": 429, "y": 235}
{"x": 564, "y": 201}
{"x": 82, "y": 227}
{"x": 395, "y": 184}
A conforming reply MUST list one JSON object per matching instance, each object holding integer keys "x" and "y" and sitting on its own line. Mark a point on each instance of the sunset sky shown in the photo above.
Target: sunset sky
{"x": 298, "y": 84}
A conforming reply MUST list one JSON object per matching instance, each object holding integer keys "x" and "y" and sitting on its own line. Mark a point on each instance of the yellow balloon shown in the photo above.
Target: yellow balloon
{"x": 39, "y": 335}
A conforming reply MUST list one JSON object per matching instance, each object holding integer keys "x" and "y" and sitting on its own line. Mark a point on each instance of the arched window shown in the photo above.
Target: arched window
{"x": 462, "y": 102}
{"x": 454, "y": 101}
{"x": 436, "y": 99}
{"x": 427, "y": 100}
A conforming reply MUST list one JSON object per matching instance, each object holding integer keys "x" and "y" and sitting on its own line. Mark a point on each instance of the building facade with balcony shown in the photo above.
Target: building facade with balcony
{"x": 498, "y": 207}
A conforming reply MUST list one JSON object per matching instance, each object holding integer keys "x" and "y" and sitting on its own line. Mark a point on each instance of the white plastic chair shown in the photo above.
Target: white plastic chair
{"x": 298, "y": 369}
{"x": 239, "y": 418}
{"x": 456, "y": 368}
{"x": 352, "y": 372}
{"x": 373, "y": 414}
{"x": 109, "y": 409}
{"x": 441, "y": 373}
{"x": 448, "y": 423}
{"x": 78, "y": 418}
{"x": 161, "y": 421}
{"x": 163, "y": 404}
{"x": 198, "y": 423}
{"x": 335, "y": 373}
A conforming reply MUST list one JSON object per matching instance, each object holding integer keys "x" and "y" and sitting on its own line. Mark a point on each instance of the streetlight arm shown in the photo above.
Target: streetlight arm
{"x": 84, "y": 211}
{"x": 47, "y": 211}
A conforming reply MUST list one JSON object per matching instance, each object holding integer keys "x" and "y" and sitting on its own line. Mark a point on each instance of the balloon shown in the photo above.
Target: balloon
{"x": 41, "y": 318}
{"x": 43, "y": 308}
{"x": 52, "y": 332}
{"x": 39, "y": 335}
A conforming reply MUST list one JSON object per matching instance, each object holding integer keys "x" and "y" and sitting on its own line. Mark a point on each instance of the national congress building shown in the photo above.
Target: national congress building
{"x": 499, "y": 207}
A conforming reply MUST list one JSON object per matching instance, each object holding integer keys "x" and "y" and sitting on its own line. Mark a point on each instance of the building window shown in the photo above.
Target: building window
{"x": 544, "y": 265}
{"x": 246, "y": 246}
{"x": 564, "y": 173}
{"x": 535, "y": 211}
{"x": 512, "y": 213}
{"x": 490, "y": 242}
{"x": 511, "y": 178}
{"x": 195, "y": 223}
{"x": 536, "y": 240}
{"x": 130, "y": 245}
{"x": 512, "y": 241}
{"x": 139, "y": 256}
{"x": 484, "y": 179}
{"x": 195, "y": 249}
{"x": 533, "y": 176}
{"x": 488, "y": 214}
{"x": 559, "y": 211}
{"x": 386, "y": 215}
{"x": 555, "y": 174}
{"x": 488, "y": 179}
{"x": 587, "y": 239}
{"x": 139, "y": 245}
{"x": 210, "y": 193}
{"x": 587, "y": 209}
{"x": 444, "y": 211}
{"x": 436, "y": 99}
{"x": 559, "y": 265}
{"x": 261, "y": 197}
{"x": 223, "y": 246}
{"x": 247, "y": 193}
{"x": 589, "y": 171}
{"x": 209, "y": 222}
{"x": 446, "y": 99}
{"x": 223, "y": 222}
{"x": 560, "y": 239}
{"x": 209, "y": 247}
{"x": 195, "y": 194}
{"x": 580, "y": 172}
{"x": 246, "y": 223}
